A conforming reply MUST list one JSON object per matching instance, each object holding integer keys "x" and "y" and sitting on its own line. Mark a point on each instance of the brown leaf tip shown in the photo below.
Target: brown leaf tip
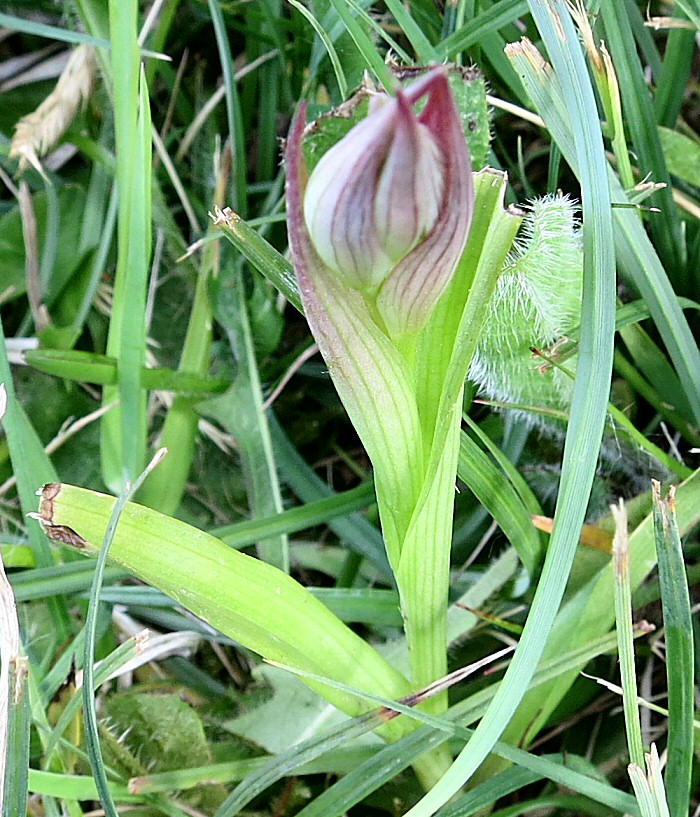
{"x": 57, "y": 533}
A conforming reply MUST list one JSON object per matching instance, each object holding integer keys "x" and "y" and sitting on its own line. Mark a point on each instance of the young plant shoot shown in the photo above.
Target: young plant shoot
{"x": 376, "y": 236}
{"x": 397, "y": 248}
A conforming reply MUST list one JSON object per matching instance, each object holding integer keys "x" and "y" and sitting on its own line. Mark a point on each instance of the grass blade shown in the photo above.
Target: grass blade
{"x": 239, "y": 188}
{"x": 52, "y": 32}
{"x": 124, "y": 430}
{"x": 316, "y": 512}
{"x": 680, "y": 661}
{"x": 328, "y": 45}
{"x": 361, "y": 781}
{"x": 425, "y": 52}
{"x": 495, "y": 492}
{"x": 375, "y": 61}
{"x": 623, "y": 617}
{"x": 92, "y": 738}
{"x": 678, "y": 59}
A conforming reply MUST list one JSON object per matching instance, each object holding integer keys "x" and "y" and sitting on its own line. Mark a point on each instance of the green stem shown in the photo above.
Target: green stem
{"x": 423, "y": 574}
{"x": 444, "y": 351}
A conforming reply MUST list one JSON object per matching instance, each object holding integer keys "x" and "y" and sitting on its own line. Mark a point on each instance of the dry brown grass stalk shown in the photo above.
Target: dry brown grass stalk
{"x": 38, "y": 132}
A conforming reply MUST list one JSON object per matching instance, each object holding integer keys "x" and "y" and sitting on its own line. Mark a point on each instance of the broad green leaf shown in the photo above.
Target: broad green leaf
{"x": 248, "y": 600}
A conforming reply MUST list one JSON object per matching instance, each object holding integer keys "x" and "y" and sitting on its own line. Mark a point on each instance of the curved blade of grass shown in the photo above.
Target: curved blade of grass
{"x": 467, "y": 711}
{"x": 123, "y": 443}
{"x": 649, "y": 358}
{"x": 375, "y": 61}
{"x": 680, "y": 659}
{"x": 63, "y": 580}
{"x": 52, "y": 32}
{"x": 376, "y": 771}
{"x": 425, "y": 51}
{"x": 316, "y": 512}
{"x": 634, "y": 312}
{"x": 637, "y": 258}
{"x": 589, "y": 402}
{"x": 516, "y": 479}
{"x": 486, "y": 794}
{"x": 328, "y": 45}
{"x": 101, "y": 370}
{"x": 460, "y": 621}
{"x": 277, "y": 767}
{"x": 692, "y": 9}
{"x": 675, "y": 70}
{"x": 92, "y": 737}
{"x": 379, "y": 30}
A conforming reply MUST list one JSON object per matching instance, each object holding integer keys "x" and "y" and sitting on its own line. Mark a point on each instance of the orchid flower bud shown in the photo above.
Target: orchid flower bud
{"x": 375, "y": 194}
{"x": 388, "y": 207}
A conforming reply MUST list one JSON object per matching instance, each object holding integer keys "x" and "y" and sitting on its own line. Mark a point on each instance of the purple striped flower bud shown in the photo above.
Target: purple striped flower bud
{"x": 389, "y": 206}
{"x": 375, "y": 194}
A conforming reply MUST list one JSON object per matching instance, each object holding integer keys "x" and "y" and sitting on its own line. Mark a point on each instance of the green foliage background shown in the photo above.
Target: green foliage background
{"x": 197, "y": 349}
